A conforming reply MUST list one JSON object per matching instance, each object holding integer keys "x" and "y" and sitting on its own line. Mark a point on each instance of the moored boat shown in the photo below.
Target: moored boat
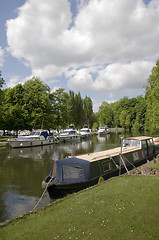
{"x": 78, "y": 172}
{"x": 86, "y": 133}
{"x": 103, "y": 130}
{"x": 36, "y": 138}
{"x": 69, "y": 134}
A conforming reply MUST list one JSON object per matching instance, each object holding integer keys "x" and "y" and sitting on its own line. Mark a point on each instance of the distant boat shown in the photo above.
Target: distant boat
{"x": 69, "y": 134}
{"x": 77, "y": 172}
{"x": 36, "y": 138}
{"x": 86, "y": 132}
{"x": 103, "y": 130}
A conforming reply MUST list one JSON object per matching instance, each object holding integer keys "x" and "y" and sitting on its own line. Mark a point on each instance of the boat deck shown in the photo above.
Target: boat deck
{"x": 91, "y": 157}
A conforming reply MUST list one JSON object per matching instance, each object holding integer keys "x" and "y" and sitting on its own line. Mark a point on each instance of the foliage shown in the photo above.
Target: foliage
{"x": 105, "y": 114}
{"x": 32, "y": 105}
{"x": 152, "y": 100}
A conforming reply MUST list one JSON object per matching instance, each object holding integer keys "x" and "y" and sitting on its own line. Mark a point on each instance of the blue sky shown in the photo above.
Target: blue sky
{"x": 104, "y": 49}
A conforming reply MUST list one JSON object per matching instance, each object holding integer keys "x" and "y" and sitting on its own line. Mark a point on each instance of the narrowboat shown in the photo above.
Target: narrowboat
{"x": 78, "y": 172}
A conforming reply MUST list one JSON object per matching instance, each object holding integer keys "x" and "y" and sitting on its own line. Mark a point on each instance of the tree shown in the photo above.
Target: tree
{"x": 61, "y": 108}
{"x": 1, "y": 81}
{"x": 1, "y": 101}
{"x": 79, "y": 111}
{"x": 14, "y": 114}
{"x": 88, "y": 111}
{"x": 105, "y": 114}
{"x": 152, "y": 101}
{"x": 37, "y": 103}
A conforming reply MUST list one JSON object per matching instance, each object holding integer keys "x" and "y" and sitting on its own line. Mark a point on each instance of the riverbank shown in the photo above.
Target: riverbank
{"x": 124, "y": 208}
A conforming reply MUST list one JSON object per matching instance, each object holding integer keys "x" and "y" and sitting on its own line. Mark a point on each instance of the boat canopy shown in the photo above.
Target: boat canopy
{"x": 72, "y": 170}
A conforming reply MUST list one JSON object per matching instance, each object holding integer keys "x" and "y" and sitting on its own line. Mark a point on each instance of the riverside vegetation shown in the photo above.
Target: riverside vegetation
{"x": 33, "y": 105}
{"x": 121, "y": 208}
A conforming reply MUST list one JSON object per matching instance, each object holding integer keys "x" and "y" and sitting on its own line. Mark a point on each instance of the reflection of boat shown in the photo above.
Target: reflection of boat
{"x": 103, "y": 130}
{"x": 103, "y": 138}
{"x": 85, "y": 132}
{"x": 69, "y": 134}
{"x": 36, "y": 138}
{"x": 78, "y": 172}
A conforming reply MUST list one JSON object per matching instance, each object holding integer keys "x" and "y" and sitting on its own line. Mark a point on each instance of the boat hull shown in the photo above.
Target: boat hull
{"x": 60, "y": 190}
{"x": 24, "y": 144}
{"x": 69, "y": 138}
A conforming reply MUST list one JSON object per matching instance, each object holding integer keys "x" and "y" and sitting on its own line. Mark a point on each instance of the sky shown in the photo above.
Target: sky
{"x": 103, "y": 49}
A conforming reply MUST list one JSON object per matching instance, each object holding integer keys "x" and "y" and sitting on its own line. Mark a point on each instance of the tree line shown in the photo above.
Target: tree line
{"x": 32, "y": 106}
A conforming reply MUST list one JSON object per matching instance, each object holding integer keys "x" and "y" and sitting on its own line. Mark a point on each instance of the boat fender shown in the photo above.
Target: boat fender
{"x": 43, "y": 184}
{"x": 100, "y": 180}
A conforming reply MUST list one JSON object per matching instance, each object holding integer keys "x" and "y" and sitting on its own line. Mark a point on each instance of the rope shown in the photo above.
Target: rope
{"x": 131, "y": 164}
{"x": 43, "y": 193}
{"x": 120, "y": 155}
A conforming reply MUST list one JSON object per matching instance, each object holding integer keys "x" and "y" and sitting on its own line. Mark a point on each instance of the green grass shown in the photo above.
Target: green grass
{"x": 156, "y": 166}
{"x": 125, "y": 208}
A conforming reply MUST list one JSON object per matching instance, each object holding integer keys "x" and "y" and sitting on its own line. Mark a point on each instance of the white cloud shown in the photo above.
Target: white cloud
{"x": 14, "y": 80}
{"x": 104, "y": 33}
{"x": 114, "y": 78}
{"x": 1, "y": 56}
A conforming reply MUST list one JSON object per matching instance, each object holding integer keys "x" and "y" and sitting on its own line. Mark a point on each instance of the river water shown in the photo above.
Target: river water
{"x": 23, "y": 170}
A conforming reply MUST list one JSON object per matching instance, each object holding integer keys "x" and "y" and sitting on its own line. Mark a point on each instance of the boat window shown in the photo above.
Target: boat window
{"x": 131, "y": 143}
{"x": 106, "y": 166}
{"x": 74, "y": 172}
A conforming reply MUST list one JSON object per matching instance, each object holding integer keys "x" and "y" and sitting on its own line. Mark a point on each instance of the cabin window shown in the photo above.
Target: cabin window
{"x": 106, "y": 166}
{"x": 131, "y": 143}
{"x": 74, "y": 172}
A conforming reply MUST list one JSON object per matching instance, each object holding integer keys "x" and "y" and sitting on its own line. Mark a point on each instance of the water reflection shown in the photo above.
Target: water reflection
{"x": 23, "y": 170}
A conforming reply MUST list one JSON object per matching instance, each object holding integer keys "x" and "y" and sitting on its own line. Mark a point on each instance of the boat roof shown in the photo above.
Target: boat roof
{"x": 140, "y": 138}
{"x": 108, "y": 153}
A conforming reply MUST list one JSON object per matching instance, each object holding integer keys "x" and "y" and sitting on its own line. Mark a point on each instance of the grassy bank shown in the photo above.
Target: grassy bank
{"x": 122, "y": 208}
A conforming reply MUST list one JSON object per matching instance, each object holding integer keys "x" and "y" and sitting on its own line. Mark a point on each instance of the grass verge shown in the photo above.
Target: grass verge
{"x": 156, "y": 166}
{"x": 123, "y": 208}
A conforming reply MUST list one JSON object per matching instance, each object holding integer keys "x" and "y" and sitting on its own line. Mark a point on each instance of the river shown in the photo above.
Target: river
{"x": 22, "y": 171}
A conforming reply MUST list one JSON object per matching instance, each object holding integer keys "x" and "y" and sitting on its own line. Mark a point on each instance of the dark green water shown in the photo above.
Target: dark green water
{"x": 23, "y": 170}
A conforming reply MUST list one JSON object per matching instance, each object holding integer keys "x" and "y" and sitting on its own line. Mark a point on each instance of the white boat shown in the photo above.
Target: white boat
{"x": 69, "y": 134}
{"x": 86, "y": 132}
{"x": 36, "y": 138}
{"x": 103, "y": 130}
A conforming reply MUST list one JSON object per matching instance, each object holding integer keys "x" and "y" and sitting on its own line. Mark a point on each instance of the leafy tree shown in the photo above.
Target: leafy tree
{"x": 79, "y": 111}
{"x": 1, "y": 101}
{"x": 152, "y": 100}
{"x": 14, "y": 108}
{"x": 37, "y": 103}
{"x": 140, "y": 109}
{"x": 88, "y": 111}
{"x": 105, "y": 114}
{"x": 1, "y": 81}
{"x": 61, "y": 108}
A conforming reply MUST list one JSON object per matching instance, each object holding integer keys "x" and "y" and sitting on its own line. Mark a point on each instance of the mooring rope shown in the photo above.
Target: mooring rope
{"x": 43, "y": 193}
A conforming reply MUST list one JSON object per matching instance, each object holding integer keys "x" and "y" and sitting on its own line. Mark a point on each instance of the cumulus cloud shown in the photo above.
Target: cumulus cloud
{"x": 115, "y": 77}
{"x": 14, "y": 80}
{"x": 1, "y": 56}
{"x": 108, "y": 46}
